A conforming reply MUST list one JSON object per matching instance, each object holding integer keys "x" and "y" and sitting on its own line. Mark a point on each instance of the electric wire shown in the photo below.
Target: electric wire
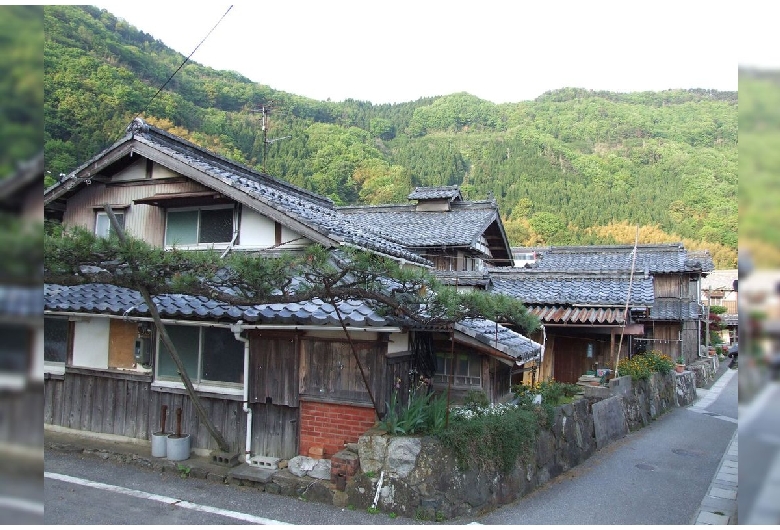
{"x": 628, "y": 299}
{"x": 183, "y": 63}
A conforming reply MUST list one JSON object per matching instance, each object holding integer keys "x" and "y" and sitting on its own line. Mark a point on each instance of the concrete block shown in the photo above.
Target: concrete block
{"x": 722, "y": 493}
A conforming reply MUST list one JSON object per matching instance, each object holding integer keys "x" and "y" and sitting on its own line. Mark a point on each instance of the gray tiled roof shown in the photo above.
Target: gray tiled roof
{"x": 19, "y": 301}
{"x": 113, "y": 300}
{"x": 500, "y": 338}
{"x": 665, "y": 258}
{"x": 461, "y": 226}
{"x": 675, "y": 310}
{"x": 532, "y": 288}
{"x": 438, "y": 192}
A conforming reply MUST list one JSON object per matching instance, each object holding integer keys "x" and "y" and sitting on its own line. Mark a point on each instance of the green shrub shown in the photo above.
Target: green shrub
{"x": 642, "y": 366}
{"x": 493, "y": 437}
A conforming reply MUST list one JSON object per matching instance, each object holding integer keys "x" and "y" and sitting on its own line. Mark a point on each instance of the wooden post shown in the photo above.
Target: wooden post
{"x": 198, "y": 406}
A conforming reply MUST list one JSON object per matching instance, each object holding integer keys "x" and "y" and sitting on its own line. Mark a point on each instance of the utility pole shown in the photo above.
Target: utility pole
{"x": 265, "y": 110}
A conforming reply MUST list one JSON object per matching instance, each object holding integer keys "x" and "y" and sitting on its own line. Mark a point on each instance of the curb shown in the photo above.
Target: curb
{"x": 719, "y": 505}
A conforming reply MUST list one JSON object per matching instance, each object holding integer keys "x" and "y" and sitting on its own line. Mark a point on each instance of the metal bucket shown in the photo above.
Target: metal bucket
{"x": 178, "y": 447}
{"x": 159, "y": 442}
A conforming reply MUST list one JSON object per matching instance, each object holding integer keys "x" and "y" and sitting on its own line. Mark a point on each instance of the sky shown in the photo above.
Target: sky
{"x": 498, "y": 50}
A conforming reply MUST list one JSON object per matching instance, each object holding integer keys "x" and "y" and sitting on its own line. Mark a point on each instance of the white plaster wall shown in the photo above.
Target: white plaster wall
{"x": 90, "y": 343}
{"x": 136, "y": 170}
{"x": 398, "y": 342}
{"x": 259, "y": 231}
{"x": 256, "y": 230}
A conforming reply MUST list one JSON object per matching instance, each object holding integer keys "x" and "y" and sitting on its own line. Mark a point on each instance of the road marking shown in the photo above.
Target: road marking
{"x": 23, "y": 505}
{"x": 162, "y": 498}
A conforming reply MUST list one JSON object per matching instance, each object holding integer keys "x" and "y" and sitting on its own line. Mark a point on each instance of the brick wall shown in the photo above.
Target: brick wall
{"x": 331, "y": 426}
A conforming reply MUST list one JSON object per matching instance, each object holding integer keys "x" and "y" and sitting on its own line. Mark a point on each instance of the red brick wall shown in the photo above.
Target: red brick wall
{"x": 331, "y": 426}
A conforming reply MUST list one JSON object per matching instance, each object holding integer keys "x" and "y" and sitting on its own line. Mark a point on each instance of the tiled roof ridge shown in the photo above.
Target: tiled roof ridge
{"x": 581, "y": 249}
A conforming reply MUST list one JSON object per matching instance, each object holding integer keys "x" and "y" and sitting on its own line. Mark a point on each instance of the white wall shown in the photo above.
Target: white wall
{"x": 258, "y": 231}
{"x": 90, "y": 343}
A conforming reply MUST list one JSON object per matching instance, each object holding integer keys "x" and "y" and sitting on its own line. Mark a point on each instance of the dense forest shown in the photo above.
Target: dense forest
{"x": 572, "y": 166}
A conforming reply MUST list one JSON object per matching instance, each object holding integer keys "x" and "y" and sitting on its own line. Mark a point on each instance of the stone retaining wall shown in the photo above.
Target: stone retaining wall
{"x": 418, "y": 477}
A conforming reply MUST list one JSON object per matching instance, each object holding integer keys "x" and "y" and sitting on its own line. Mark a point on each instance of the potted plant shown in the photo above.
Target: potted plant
{"x": 680, "y": 365}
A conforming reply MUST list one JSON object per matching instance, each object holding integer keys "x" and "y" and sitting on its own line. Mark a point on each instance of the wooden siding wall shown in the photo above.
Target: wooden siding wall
{"x": 275, "y": 430}
{"x": 142, "y": 220}
{"x": 666, "y": 339}
{"x": 328, "y": 370}
{"x": 668, "y": 286}
{"x": 21, "y": 416}
{"x": 124, "y": 404}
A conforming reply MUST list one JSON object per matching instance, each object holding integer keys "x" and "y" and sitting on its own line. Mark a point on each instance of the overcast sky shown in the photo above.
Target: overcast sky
{"x": 499, "y": 50}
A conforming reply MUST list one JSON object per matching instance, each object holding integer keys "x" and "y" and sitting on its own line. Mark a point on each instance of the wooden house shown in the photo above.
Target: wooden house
{"x": 598, "y": 303}
{"x": 275, "y": 379}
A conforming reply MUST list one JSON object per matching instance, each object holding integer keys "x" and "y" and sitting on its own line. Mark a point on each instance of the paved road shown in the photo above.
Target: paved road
{"x": 83, "y": 489}
{"x": 657, "y": 475}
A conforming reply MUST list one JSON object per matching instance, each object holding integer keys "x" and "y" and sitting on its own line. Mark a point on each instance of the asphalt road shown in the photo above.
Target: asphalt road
{"x": 657, "y": 475}
{"x": 140, "y": 496}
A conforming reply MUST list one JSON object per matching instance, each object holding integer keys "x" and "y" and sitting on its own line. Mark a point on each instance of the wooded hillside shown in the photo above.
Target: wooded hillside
{"x": 570, "y": 167}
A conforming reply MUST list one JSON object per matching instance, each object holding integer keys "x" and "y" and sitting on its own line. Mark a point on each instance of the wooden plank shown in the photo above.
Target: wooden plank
{"x": 87, "y": 398}
{"x": 98, "y": 405}
{"x": 58, "y": 400}
{"x": 142, "y": 423}
{"x": 109, "y": 406}
{"x": 121, "y": 344}
{"x": 74, "y": 417}
{"x": 120, "y": 386}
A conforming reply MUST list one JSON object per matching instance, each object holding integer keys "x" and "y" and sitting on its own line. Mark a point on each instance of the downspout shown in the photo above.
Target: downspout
{"x": 236, "y": 329}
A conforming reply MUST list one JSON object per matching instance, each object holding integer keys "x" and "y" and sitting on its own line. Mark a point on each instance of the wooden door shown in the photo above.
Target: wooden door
{"x": 273, "y": 394}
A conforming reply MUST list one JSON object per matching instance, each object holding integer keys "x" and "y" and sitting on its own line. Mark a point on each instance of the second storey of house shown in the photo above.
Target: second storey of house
{"x": 167, "y": 209}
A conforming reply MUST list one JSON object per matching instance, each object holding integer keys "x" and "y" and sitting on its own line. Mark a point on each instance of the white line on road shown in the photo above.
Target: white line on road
{"x": 22, "y": 505}
{"x": 161, "y": 498}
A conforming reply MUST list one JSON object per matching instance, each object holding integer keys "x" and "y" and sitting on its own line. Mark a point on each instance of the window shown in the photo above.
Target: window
{"x": 103, "y": 223}
{"x": 210, "y": 355}
{"x": 193, "y": 227}
{"x": 57, "y": 344}
{"x": 468, "y": 369}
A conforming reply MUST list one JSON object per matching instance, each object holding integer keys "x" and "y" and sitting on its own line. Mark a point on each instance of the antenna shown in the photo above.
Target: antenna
{"x": 265, "y": 110}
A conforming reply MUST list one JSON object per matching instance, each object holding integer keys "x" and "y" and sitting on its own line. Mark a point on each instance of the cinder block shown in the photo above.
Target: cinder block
{"x": 265, "y": 462}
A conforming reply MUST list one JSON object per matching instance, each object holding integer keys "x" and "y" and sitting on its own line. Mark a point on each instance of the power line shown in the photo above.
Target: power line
{"x": 183, "y": 63}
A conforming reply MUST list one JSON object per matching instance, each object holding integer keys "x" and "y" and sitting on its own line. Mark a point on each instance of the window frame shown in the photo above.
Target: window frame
{"x": 102, "y": 214}
{"x": 471, "y": 381}
{"x": 200, "y": 384}
{"x": 198, "y": 244}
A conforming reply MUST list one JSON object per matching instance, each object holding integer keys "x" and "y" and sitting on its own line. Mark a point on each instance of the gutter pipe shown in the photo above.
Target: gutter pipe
{"x": 237, "y": 328}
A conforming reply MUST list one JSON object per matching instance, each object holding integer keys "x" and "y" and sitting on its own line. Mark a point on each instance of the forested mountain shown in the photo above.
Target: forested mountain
{"x": 570, "y": 167}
